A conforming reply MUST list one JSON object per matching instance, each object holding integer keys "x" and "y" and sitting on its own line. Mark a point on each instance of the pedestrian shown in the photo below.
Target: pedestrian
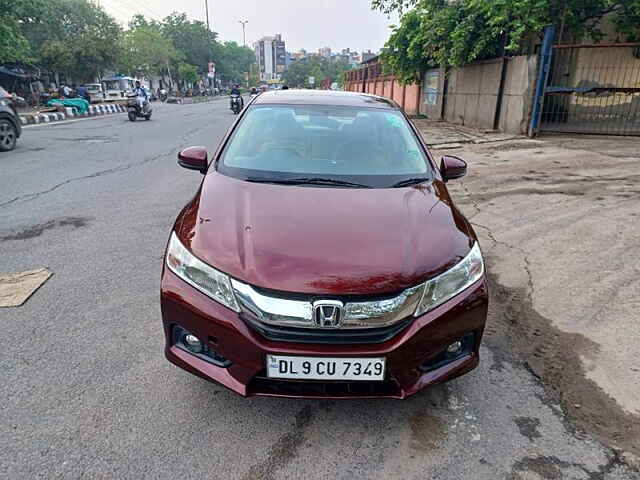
{"x": 81, "y": 92}
{"x": 37, "y": 88}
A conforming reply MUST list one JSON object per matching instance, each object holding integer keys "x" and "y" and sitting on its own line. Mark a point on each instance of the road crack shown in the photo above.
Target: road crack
{"x": 121, "y": 168}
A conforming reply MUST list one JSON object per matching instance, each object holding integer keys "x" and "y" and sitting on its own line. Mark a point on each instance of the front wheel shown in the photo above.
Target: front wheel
{"x": 132, "y": 116}
{"x": 8, "y": 135}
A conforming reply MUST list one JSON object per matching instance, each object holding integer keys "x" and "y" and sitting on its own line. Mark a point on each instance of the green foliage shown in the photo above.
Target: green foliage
{"x": 191, "y": 38}
{"x": 441, "y": 32}
{"x": 298, "y": 73}
{"x": 79, "y": 39}
{"x": 14, "y": 45}
{"x": 188, "y": 73}
{"x": 72, "y": 36}
{"x": 146, "y": 51}
{"x": 233, "y": 61}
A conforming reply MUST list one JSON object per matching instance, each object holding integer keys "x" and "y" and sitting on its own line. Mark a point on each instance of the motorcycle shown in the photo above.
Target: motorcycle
{"x": 138, "y": 107}
{"x": 236, "y": 104}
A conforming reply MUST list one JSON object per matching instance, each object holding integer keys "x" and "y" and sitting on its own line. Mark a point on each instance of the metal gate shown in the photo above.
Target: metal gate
{"x": 593, "y": 89}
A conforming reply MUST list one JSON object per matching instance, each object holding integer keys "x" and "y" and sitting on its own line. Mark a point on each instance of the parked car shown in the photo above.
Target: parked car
{"x": 96, "y": 92}
{"x": 323, "y": 256}
{"x": 10, "y": 126}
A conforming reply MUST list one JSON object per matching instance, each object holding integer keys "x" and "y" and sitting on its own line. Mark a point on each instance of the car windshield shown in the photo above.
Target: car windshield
{"x": 364, "y": 146}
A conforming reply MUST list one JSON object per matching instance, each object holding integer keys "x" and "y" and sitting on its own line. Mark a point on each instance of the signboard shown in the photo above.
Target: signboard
{"x": 431, "y": 81}
{"x": 312, "y": 80}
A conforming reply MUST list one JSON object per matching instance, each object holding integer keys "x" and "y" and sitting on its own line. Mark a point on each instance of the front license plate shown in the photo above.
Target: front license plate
{"x": 325, "y": 368}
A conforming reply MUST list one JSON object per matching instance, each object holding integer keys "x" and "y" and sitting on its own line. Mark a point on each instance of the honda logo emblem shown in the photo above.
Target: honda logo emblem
{"x": 328, "y": 313}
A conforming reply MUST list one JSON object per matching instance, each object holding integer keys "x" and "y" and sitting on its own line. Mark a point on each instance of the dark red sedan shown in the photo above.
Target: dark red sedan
{"x": 323, "y": 256}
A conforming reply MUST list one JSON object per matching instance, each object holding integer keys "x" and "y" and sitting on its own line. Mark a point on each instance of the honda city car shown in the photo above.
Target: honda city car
{"x": 322, "y": 255}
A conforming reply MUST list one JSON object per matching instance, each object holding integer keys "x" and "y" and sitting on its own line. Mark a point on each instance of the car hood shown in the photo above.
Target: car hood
{"x": 327, "y": 241}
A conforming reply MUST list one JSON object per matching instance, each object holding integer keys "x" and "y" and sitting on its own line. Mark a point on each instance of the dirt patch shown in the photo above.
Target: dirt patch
{"x": 509, "y": 146}
{"x": 426, "y": 429}
{"x": 552, "y": 468}
{"x": 553, "y": 356}
{"x": 37, "y": 230}
{"x": 284, "y": 450}
{"x": 528, "y": 427}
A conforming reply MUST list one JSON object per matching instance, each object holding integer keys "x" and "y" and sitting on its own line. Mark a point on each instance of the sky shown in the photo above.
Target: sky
{"x": 308, "y": 24}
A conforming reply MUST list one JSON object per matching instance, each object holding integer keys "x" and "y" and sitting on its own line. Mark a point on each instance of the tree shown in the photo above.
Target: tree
{"x": 146, "y": 51}
{"x": 75, "y": 36}
{"x": 298, "y": 73}
{"x": 14, "y": 45}
{"x": 188, "y": 73}
{"x": 233, "y": 61}
{"x": 441, "y": 32}
{"x": 191, "y": 38}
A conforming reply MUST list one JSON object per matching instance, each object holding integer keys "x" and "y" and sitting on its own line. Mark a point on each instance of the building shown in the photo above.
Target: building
{"x": 368, "y": 55}
{"x": 271, "y": 57}
{"x": 300, "y": 54}
{"x": 325, "y": 52}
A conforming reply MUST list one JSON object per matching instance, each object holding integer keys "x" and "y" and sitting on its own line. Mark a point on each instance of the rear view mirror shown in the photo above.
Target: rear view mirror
{"x": 194, "y": 158}
{"x": 452, "y": 168}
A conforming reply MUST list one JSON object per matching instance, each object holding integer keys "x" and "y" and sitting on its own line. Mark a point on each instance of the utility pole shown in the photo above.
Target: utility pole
{"x": 206, "y": 9}
{"x": 209, "y": 80}
{"x": 244, "y": 37}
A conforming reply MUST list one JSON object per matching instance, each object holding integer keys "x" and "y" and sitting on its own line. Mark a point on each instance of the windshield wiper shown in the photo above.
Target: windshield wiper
{"x": 308, "y": 181}
{"x": 410, "y": 181}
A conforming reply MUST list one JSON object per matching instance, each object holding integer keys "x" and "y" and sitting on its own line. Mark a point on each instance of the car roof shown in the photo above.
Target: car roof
{"x": 323, "y": 97}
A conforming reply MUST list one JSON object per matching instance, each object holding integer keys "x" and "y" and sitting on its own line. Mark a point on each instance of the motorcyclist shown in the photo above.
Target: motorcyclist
{"x": 235, "y": 90}
{"x": 142, "y": 95}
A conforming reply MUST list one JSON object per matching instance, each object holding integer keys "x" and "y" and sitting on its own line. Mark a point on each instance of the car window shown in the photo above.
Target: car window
{"x": 346, "y": 143}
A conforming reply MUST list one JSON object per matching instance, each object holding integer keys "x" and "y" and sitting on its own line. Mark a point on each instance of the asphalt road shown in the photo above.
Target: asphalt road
{"x": 87, "y": 393}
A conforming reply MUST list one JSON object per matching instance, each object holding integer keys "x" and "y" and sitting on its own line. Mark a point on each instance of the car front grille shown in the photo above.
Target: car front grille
{"x": 262, "y": 385}
{"x": 325, "y": 336}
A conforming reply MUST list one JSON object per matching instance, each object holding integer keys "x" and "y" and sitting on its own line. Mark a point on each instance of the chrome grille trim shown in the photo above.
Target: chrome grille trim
{"x": 299, "y": 313}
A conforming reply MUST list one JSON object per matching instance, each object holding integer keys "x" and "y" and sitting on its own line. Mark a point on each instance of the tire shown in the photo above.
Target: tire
{"x": 147, "y": 116}
{"x": 132, "y": 116}
{"x": 8, "y": 135}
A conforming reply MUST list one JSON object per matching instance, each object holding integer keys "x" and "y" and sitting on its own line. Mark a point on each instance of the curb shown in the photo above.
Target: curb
{"x": 94, "y": 110}
{"x": 193, "y": 100}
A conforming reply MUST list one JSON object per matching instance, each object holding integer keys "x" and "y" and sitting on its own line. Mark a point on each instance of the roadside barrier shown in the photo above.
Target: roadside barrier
{"x": 94, "y": 110}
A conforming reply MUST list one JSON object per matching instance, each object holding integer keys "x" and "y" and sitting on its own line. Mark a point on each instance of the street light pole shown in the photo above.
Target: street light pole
{"x": 244, "y": 37}
{"x": 210, "y": 80}
{"x": 206, "y": 9}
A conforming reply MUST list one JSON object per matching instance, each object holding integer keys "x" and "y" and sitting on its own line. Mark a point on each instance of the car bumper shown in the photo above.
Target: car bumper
{"x": 414, "y": 356}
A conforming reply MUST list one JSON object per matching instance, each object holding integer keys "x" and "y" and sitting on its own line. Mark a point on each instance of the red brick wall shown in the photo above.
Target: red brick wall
{"x": 408, "y": 97}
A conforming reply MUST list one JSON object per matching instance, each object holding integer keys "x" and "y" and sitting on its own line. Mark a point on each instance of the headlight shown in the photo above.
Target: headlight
{"x": 198, "y": 274}
{"x": 448, "y": 284}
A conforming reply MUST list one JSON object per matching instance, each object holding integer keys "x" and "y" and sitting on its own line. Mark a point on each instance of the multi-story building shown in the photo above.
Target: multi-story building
{"x": 325, "y": 52}
{"x": 271, "y": 57}
{"x": 300, "y": 54}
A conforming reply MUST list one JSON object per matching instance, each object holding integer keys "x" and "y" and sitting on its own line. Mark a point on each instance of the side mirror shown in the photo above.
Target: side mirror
{"x": 194, "y": 158}
{"x": 452, "y": 168}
